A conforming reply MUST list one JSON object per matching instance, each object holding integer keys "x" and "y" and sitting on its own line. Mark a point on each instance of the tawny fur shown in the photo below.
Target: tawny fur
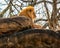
{"x": 29, "y": 12}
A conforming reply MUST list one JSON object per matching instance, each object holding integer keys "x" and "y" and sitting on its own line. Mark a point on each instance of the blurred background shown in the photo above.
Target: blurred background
{"x": 47, "y": 11}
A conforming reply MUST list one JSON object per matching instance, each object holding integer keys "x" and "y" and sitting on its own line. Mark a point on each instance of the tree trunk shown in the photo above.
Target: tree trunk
{"x": 10, "y": 25}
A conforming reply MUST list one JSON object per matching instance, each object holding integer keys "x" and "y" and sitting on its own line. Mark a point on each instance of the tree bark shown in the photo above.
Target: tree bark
{"x": 15, "y": 24}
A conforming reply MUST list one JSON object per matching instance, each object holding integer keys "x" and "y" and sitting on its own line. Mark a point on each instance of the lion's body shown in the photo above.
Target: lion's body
{"x": 30, "y": 13}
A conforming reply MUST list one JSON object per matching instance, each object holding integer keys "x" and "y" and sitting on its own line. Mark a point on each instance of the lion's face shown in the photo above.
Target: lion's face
{"x": 31, "y": 13}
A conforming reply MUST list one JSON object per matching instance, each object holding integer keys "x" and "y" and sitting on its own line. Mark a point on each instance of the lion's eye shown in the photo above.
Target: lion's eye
{"x": 30, "y": 10}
